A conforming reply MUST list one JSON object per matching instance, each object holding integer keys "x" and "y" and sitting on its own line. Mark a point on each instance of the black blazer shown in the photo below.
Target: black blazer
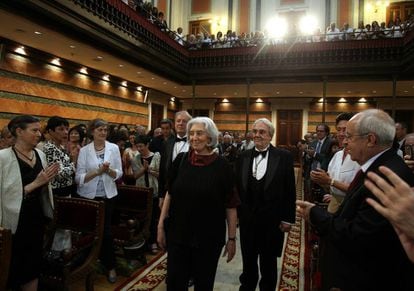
{"x": 367, "y": 251}
{"x": 279, "y": 193}
{"x": 323, "y": 156}
{"x": 165, "y": 165}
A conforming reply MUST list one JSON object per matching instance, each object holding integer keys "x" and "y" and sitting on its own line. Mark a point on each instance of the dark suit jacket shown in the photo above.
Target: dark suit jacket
{"x": 279, "y": 194}
{"x": 367, "y": 254}
{"x": 323, "y": 156}
{"x": 165, "y": 164}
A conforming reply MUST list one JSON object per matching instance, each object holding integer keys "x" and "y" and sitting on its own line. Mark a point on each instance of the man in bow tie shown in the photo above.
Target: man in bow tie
{"x": 266, "y": 184}
{"x": 171, "y": 148}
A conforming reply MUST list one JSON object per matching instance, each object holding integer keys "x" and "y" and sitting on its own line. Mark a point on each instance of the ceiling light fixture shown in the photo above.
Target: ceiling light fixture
{"x": 259, "y": 100}
{"x": 225, "y": 100}
{"x": 84, "y": 70}
{"x": 362, "y": 100}
{"x": 72, "y": 46}
{"x": 38, "y": 33}
{"x": 21, "y": 50}
{"x": 106, "y": 77}
{"x": 139, "y": 88}
{"x": 124, "y": 83}
{"x": 56, "y": 61}
{"x": 342, "y": 100}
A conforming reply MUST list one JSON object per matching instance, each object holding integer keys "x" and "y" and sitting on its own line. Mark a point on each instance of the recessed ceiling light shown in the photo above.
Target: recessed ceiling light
{"x": 164, "y": 83}
{"x": 277, "y": 92}
{"x": 300, "y": 92}
{"x": 139, "y": 88}
{"x": 72, "y": 46}
{"x": 56, "y": 61}
{"x": 20, "y": 50}
{"x": 38, "y": 33}
{"x": 124, "y": 83}
{"x": 373, "y": 91}
{"x": 84, "y": 70}
{"x": 172, "y": 99}
{"x": 362, "y": 100}
{"x": 342, "y": 100}
{"x": 175, "y": 87}
{"x": 106, "y": 77}
{"x": 259, "y": 100}
{"x": 98, "y": 58}
{"x": 121, "y": 65}
{"x": 225, "y": 100}
{"x": 152, "y": 78}
{"x": 320, "y": 100}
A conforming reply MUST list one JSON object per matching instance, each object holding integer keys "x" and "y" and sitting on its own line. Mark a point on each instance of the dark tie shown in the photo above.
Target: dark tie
{"x": 184, "y": 139}
{"x": 257, "y": 153}
{"x": 355, "y": 182}
{"x": 318, "y": 147}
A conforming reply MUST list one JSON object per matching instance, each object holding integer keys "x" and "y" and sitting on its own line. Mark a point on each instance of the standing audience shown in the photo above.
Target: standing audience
{"x": 63, "y": 184}
{"x": 367, "y": 254}
{"x": 145, "y": 166}
{"x": 25, "y": 200}
{"x": 99, "y": 165}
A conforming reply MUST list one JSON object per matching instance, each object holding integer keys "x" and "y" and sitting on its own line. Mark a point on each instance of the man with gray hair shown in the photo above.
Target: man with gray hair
{"x": 265, "y": 181}
{"x": 367, "y": 254}
{"x": 171, "y": 148}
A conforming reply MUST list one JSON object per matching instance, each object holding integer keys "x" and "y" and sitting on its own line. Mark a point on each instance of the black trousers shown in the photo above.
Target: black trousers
{"x": 200, "y": 263}
{"x": 254, "y": 247}
{"x": 107, "y": 253}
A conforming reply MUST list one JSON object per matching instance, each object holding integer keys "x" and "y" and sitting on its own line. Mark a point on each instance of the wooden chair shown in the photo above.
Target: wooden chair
{"x": 85, "y": 219}
{"x": 5, "y": 256}
{"x": 131, "y": 220}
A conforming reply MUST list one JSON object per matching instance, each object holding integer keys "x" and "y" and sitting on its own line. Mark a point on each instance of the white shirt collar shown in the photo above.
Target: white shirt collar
{"x": 368, "y": 163}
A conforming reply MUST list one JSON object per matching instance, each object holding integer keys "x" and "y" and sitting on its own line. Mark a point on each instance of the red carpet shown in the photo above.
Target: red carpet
{"x": 148, "y": 278}
{"x": 294, "y": 272}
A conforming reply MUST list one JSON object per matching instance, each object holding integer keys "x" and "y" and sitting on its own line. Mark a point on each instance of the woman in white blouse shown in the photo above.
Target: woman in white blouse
{"x": 99, "y": 165}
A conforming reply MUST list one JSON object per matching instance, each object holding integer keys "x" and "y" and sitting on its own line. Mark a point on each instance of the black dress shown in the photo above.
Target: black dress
{"x": 27, "y": 242}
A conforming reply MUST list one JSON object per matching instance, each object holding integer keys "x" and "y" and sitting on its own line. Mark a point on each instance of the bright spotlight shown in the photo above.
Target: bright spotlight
{"x": 277, "y": 27}
{"x": 308, "y": 25}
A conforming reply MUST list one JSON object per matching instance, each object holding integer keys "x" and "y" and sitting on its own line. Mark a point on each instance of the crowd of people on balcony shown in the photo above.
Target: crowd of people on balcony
{"x": 205, "y": 40}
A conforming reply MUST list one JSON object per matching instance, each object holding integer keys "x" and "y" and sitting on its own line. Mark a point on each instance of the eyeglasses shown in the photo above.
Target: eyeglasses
{"x": 350, "y": 136}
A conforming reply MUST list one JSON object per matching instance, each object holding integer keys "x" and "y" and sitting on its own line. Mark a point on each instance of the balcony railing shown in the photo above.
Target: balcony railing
{"x": 296, "y": 58}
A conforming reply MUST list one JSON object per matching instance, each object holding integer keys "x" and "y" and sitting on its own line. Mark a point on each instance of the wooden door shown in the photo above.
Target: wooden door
{"x": 200, "y": 26}
{"x": 402, "y": 10}
{"x": 289, "y": 130}
{"x": 157, "y": 113}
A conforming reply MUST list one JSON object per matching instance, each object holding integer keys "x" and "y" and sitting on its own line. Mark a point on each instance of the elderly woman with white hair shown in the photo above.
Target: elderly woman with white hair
{"x": 200, "y": 200}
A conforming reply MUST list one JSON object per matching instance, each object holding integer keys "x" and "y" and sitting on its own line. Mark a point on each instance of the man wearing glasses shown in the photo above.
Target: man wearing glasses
{"x": 367, "y": 252}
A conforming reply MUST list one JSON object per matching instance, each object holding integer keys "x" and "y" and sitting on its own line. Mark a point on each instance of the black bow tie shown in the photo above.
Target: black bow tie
{"x": 257, "y": 153}
{"x": 184, "y": 139}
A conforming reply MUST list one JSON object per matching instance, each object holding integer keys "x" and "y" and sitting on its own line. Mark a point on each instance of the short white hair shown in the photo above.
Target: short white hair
{"x": 268, "y": 124}
{"x": 378, "y": 122}
{"x": 209, "y": 126}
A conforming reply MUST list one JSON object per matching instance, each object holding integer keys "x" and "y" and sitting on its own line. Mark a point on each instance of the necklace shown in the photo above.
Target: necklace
{"x": 256, "y": 165}
{"x": 29, "y": 159}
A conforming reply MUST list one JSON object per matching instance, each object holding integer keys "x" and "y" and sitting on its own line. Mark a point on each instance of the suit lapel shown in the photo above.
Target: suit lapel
{"x": 272, "y": 164}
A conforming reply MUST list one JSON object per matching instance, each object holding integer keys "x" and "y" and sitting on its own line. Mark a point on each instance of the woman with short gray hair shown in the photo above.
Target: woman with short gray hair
{"x": 199, "y": 202}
